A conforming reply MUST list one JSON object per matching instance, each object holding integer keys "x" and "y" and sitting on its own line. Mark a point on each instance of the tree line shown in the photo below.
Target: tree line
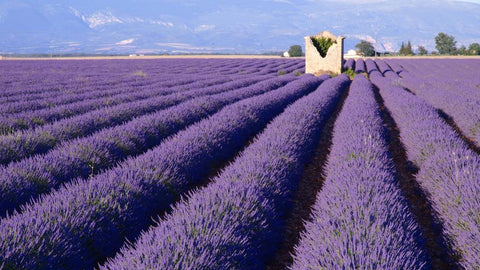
{"x": 445, "y": 45}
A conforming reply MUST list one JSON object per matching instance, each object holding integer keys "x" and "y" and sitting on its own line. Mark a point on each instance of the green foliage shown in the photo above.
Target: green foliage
{"x": 462, "y": 50}
{"x": 445, "y": 44}
{"x": 422, "y": 50}
{"x": 322, "y": 44}
{"x": 365, "y": 48}
{"x": 281, "y": 72}
{"x": 406, "y": 49}
{"x": 474, "y": 49}
{"x": 295, "y": 51}
{"x": 351, "y": 73}
{"x": 297, "y": 73}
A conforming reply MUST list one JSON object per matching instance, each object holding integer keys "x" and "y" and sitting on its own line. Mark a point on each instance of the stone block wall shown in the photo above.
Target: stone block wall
{"x": 332, "y": 62}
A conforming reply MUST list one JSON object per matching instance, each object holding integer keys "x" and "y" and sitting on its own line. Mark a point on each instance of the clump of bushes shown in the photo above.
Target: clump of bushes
{"x": 322, "y": 44}
{"x": 295, "y": 51}
{"x": 351, "y": 73}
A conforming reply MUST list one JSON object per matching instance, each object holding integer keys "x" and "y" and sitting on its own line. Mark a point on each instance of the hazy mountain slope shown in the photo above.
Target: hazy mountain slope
{"x": 222, "y": 26}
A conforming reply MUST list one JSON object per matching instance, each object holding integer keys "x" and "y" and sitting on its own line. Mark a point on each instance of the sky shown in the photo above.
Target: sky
{"x": 208, "y": 26}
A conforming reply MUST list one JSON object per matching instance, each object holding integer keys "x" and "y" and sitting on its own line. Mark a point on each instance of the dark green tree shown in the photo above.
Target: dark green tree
{"x": 295, "y": 51}
{"x": 409, "y": 49}
{"x": 365, "y": 48}
{"x": 406, "y": 49}
{"x": 402, "y": 49}
{"x": 422, "y": 50}
{"x": 445, "y": 44}
{"x": 474, "y": 49}
{"x": 462, "y": 50}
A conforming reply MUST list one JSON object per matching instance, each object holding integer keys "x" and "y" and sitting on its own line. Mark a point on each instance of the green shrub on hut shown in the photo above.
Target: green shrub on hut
{"x": 322, "y": 44}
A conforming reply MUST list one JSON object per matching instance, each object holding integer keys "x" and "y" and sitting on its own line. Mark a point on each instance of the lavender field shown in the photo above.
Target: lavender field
{"x": 239, "y": 164}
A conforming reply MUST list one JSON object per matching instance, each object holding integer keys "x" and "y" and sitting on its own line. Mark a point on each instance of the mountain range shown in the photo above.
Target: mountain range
{"x": 181, "y": 26}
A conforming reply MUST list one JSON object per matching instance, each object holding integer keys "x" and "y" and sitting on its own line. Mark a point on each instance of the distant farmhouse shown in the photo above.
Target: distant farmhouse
{"x": 352, "y": 54}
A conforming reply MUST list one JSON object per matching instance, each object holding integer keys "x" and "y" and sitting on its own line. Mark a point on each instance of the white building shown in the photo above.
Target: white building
{"x": 351, "y": 54}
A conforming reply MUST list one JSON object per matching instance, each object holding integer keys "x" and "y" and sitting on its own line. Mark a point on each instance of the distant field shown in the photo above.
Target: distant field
{"x": 430, "y": 57}
{"x": 252, "y": 56}
{"x": 150, "y": 57}
{"x": 239, "y": 162}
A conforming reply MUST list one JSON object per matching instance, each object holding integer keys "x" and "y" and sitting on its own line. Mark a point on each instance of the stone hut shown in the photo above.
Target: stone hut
{"x": 332, "y": 61}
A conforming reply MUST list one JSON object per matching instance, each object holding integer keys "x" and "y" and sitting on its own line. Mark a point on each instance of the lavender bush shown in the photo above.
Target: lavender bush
{"x": 463, "y": 109}
{"x": 94, "y": 90}
{"x": 86, "y": 221}
{"x": 235, "y": 223}
{"x": 28, "y": 119}
{"x": 23, "y": 144}
{"x": 349, "y": 64}
{"x": 85, "y": 157}
{"x": 448, "y": 169}
{"x": 360, "y": 219}
{"x": 360, "y": 66}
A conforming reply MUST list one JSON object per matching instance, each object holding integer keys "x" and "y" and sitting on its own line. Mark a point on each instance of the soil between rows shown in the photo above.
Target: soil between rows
{"x": 305, "y": 196}
{"x": 440, "y": 252}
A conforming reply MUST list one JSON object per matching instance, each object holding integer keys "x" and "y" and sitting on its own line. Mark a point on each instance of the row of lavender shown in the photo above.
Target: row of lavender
{"x": 361, "y": 219}
{"x": 84, "y": 117}
{"x": 23, "y": 144}
{"x": 69, "y": 81}
{"x": 34, "y": 110}
{"x": 367, "y": 224}
{"x": 84, "y": 157}
{"x": 22, "y": 78}
{"x": 237, "y": 220}
{"x": 246, "y": 203}
{"x": 449, "y": 169}
{"x": 459, "y": 76}
{"x": 86, "y": 221}
{"x": 30, "y": 120}
{"x": 37, "y": 116}
{"x": 457, "y": 95}
{"x": 73, "y": 78}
